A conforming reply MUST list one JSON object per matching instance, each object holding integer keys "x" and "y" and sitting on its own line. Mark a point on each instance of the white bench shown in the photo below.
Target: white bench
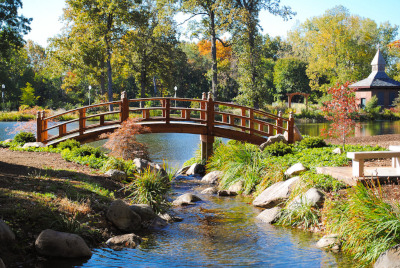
{"x": 359, "y": 157}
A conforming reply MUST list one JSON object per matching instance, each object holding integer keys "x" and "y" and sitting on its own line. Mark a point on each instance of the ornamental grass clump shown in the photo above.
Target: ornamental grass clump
{"x": 150, "y": 188}
{"x": 303, "y": 215}
{"x": 366, "y": 223}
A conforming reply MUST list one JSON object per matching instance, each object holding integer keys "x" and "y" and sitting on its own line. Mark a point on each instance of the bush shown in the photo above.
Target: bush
{"x": 70, "y": 144}
{"x": 24, "y": 137}
{"x": 150, "y": 188}
{"x": 278, "y": 149}
{"x": 87, "y": 150}
{"x": 312, "y": 142}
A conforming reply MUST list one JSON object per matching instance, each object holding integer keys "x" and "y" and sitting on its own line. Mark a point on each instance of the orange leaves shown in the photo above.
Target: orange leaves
{"x": 395, "y": 44}
{"x": 222, "y": 52}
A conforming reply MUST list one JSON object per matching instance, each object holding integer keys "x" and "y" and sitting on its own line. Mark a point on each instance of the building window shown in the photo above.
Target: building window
{"x": 381, "y": 98}
{"x": 363, "y": 102}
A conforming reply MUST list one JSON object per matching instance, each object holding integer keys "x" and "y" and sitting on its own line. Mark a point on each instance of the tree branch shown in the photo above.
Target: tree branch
{"x": 191, "y": 17}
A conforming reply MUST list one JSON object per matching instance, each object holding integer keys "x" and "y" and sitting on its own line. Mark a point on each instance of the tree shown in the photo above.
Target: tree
{"x": 338, "y": 46}
{"x": 246, "y": 14}
{"x": 108, "y": 21}
{"x": 340, "y": 110}
{"x": 12, "y": 26}
{"x": 290, "y": 76}
{"x": 28, "y": 95}
{"x": 215, "y": 18}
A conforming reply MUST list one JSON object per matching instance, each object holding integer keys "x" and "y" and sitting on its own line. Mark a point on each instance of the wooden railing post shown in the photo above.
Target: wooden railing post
{"x": 38, "y": 127}
{"x": 44, "y": 127}
{"x": 124, "y": 107}
{"x": 279, "y": 123}
{"x": 203, "y": 107}
{"x": 251, "y": 123}
{"x": 163, "y": 104}
{"x": 290, "y": 128}
{"x": 167, "y": 110}
{"x": 243, "y": 120}
{"x": 82, "y": 121}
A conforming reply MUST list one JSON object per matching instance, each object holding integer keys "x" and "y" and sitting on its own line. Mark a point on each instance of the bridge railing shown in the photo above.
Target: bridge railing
{"x": 205, "y": 111}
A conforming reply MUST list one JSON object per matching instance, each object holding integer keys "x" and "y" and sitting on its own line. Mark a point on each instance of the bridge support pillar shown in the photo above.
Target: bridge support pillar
{"x": 207, "y": 142}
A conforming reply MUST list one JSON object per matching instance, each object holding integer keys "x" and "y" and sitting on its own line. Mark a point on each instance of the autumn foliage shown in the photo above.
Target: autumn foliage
{"x": 222, "y": 52}
{"x": 122, "y": 142}
{"x": 341, "y": 111}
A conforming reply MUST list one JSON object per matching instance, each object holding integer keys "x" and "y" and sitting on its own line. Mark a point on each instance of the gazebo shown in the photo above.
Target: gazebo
{"x": 377, "y": 84}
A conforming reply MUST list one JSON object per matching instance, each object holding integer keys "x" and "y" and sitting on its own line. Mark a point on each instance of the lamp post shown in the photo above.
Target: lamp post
{"x": 175, "y": 88}
{"x": 3, "y": 87}
{"x": 90, "y": 87}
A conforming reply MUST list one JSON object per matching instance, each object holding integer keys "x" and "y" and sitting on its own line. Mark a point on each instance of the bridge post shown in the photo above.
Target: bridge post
{"x": 290, "y": 128}
{"x": 44, "y": 134}
{"x": 203, "y": 107}
{"x": 124, "y": 107}
{"x": 82, "y": 120}
{"x": 279, "y": 123}
{"x": 38, "y": 127}
{"x": 207, "y": 140}
{"x": 167, "y": 110}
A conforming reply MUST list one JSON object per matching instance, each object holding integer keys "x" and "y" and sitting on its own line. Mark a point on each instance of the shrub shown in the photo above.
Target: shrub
{"x": 150, "y": 188}
{"x": 87, "y": 150}
{"x": 122, "y": 143}
{"x": 278, "y": 149}
{"x": 24, "y": 137}
{"x": 70, "y": 144}
{"x": 312, "y": 142}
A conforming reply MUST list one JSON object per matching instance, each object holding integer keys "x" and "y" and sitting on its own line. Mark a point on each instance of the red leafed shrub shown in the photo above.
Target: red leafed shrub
{"x": 122, "y": 143}
{"x": 341, "y": 110}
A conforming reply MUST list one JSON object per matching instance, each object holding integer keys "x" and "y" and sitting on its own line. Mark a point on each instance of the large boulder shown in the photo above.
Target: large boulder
{"x": 272, "y": 140}
{"x": 297, "y": 135}
{"x": 8, "y": 140}
{"x": 123, "y": 217}
{"x": 2, "y": 265}
{"x": 143, "y": 164}
{"x": 116, "y": 175}
{"x": 226, "y": 193}
{"x": 124, "y": 241}
{"x": 389, "y": 259}
{"x": 185, "y": 199}
{"x": 276, "y": 193}
{"x": 33, "y": 144}
{"x": 270, "y": 215}
{"x": 149, "y": 218}
{"x": 58, "y": 244}
{"x": 183, "y": 170}
{"x": 236, "y": 188}
{"x": 196, "y": 169}
{"x": 212, "y": 177}
{"x": 6, "y": 235}
{"x": 330, "y": 242}
{"x": 210, "y": 190}
{"x": 312, "y": 197}
{"x": 295, "y": 170}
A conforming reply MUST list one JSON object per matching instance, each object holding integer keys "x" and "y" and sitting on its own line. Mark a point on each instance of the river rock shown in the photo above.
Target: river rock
{"x": 33, "y": 144}
{"x": 236, "y": 188}
{"x": 226, "y": 193}
{"x": 8, "y": 140}
{"x": 143, "y": 164}
{"x": 330, "y": 241}
{"x": 276, "y": 193}
{"x": 185, "y": 199}
{"x": 212, "y": 177}
{"x": 273, "y": 139}
{"x": 168, "y": 218}
{"x": 295, "y": 170}
{"x": 123, "y": 217}
{"x": 210, "y": 190}
{"x": 183, "y": 170}
{"x": 270, "y": 215}
{"x": 6, "y": 235}
{"x": 337, "y": 151}
{"x": 58, "y": 244}
{"x": 124, "y": 241}
{"x": 145, "y": 211}
{"x": 196, "y": 169}
{"x": 389, "y": 259}
{"x": 312, "y": 197}
{"x": 297, "y": 135}
{"x": 116, "y": 175}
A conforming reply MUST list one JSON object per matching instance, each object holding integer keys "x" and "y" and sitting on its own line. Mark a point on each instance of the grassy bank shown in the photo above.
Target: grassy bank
{"x": 366, "y": 223}
{"x": 68, "y": 200}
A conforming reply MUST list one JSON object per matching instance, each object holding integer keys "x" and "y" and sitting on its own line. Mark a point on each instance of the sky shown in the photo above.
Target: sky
{"x": 46, "y": 15}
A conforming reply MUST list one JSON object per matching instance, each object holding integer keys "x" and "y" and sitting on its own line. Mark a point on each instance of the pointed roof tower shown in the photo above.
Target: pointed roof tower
{"x": 378, "y": 77}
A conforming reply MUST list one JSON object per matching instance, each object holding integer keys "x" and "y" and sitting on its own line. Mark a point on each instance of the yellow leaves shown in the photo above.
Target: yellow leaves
{"x": 223, "y": 53}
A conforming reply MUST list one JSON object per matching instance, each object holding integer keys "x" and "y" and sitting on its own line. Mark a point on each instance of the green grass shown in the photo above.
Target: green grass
{"x": 368, "y": 226}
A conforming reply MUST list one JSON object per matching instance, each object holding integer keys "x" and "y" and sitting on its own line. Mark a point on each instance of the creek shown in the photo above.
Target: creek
{"x": 216, "y": 232}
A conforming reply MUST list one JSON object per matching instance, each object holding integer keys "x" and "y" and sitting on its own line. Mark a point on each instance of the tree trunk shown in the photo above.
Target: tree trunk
{"x": 143, "y": 81}
{"x": 214, "y": 83}
{"x": 251, "y": 36}
{"x": 109, "y": 73}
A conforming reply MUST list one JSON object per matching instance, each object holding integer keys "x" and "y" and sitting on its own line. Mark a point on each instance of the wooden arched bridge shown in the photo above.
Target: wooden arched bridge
{"x": 205, "y": 117}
